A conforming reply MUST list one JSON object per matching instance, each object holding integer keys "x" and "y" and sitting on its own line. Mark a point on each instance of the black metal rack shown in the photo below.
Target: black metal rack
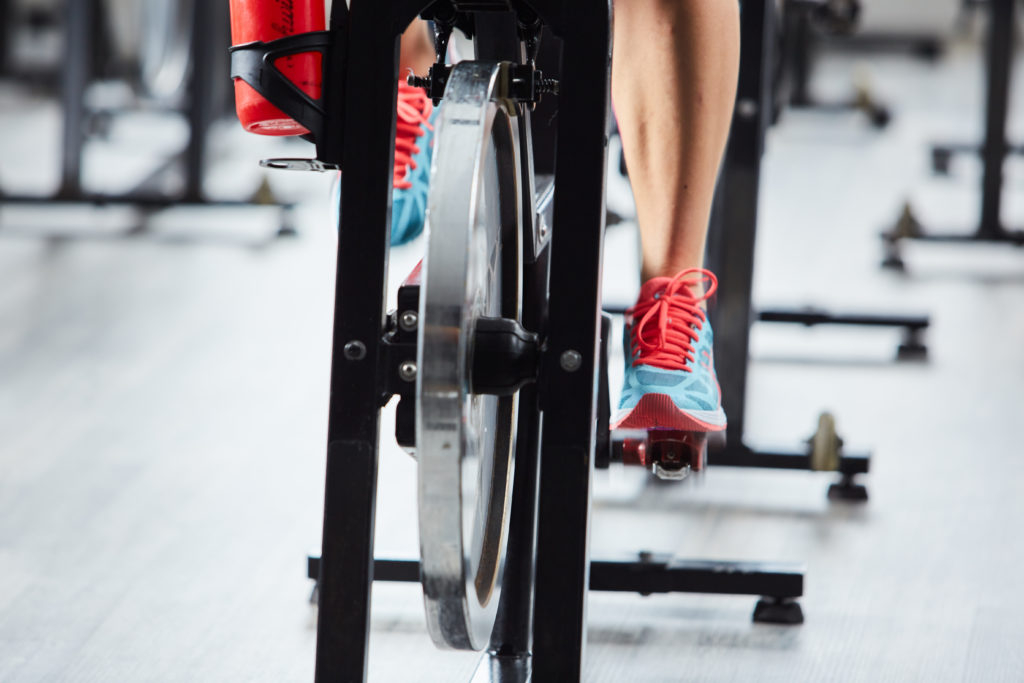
{"x": 993, "y": 151}
{"x": 660, "y": 573}
{"x": 911, "y": 347}
{"x": 799, "y": 40}
{"x": 731, "y": 255}
{"x": 5, "y": 38}
{"x": 209, "y": 28}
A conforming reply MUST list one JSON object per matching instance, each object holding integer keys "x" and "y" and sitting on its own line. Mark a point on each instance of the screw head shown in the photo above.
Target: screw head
{"x": 543, "y": 226}
{"x": 407, "y": 371}
{"x": 570, "y": 360}
{"x": 746, "y": 108}
{"x": 408, "y": 321}
{"x": 355, "y": 350}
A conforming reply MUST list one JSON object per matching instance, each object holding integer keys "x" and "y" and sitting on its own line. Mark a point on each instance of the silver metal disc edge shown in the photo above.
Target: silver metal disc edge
{"x": 471, "y": 103}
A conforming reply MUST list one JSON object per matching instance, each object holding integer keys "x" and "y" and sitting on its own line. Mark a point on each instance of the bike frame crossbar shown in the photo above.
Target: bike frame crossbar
{"x": 650, "y": 574}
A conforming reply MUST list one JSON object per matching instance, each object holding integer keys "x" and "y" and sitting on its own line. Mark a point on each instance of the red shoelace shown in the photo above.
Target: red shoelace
{"x": 664, "y": 318}
{"x": 414, "y": 108}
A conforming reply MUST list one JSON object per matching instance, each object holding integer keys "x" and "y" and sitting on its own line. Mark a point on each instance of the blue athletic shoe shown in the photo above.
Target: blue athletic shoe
{"x": 414, "y": 149}
{"x": 670, "y": 381}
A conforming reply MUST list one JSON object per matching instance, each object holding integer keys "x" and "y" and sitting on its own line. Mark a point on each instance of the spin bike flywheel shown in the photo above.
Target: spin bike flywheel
{"x": 465, "y": 442}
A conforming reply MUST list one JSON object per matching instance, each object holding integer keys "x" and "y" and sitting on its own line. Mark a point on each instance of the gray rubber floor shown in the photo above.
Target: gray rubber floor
{"x": 163, "y": 401}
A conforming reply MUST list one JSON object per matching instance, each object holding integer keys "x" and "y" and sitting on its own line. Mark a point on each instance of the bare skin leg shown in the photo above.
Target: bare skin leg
{"x": 674, "y": 71}
{"x": 417, "y": 50}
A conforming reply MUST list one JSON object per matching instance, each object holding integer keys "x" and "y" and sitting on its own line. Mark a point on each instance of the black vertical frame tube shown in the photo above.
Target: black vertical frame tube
{"x": 365, "y": 61}
{"x": 1000, "y": 58}
{"x": 206, "y": 25}
{"x": 5, "y": 37}
{"x": 798, "y": 38}
{"x": 77, "y": 68}
{"x": 568, "y": 397}
{"x": 734, "y": 225}
{"x": 513, "y": 631}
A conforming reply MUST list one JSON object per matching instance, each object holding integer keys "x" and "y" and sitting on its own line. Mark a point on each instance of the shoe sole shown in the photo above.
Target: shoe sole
{"x": 659, "y": 411}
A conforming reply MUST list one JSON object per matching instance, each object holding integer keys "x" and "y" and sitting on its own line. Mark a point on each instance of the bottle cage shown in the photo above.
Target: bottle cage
{"x": 254, "y": 63}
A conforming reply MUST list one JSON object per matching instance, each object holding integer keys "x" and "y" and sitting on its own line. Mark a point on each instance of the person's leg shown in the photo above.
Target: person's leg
{"x": 674, "y": 70}
{"x": 413, "y": 138}
{"x": 417, "y": 52}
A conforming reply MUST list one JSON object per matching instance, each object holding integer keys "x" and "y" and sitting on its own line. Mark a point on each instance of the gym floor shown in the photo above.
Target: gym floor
{"x": 163, "y": 399}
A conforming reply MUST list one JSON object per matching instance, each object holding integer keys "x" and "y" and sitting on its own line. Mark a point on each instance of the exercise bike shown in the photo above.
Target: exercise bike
{"x": 497, "y": 347}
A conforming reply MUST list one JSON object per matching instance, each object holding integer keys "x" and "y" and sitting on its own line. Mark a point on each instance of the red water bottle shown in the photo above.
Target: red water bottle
{"x": 266, "y": 20}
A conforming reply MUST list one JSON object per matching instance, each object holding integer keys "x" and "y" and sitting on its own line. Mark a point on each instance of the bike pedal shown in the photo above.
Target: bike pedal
{"x": 670, "y": 454}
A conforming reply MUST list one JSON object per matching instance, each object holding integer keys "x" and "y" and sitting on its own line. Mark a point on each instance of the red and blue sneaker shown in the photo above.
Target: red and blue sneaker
{"x": 670, "y": 389}
{"x": 414, "y": 151}
{"x": 414, "y": 132}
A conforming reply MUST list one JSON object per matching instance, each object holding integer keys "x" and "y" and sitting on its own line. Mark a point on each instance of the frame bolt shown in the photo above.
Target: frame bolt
{"x": 355, "y": 350}
{"x": 570, "y": 360}
{"x": 408, "y": 321}
{"x": 407, "y": 371}
{"x": 747, "y": 108}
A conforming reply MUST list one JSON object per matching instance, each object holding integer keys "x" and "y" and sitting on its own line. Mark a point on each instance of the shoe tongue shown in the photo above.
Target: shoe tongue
{"x": 652, "y": 287}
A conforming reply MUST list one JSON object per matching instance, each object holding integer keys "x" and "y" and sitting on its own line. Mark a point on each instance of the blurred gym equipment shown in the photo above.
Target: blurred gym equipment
{"x": 177, "y": 37}
{"x": 804, "y": 23}
{"x": 993, "y": 151}
{"x": 731, "y": 255}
